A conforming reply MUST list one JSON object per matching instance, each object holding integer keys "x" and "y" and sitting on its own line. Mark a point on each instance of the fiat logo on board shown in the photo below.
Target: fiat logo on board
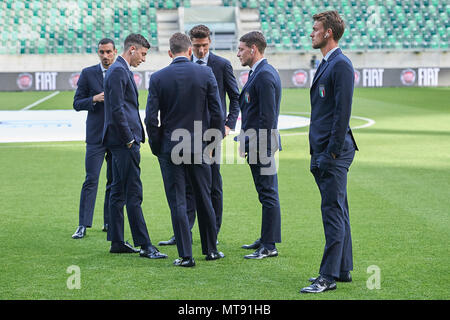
{"x": 24, "y": 81}
{"x": 408, "y": 77}
{"x": 299, "y": 78}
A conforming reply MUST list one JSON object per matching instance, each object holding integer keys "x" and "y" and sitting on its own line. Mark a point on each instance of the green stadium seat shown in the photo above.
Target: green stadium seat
{"x": 287, "y": 23}
{"x": 42, "y": 45}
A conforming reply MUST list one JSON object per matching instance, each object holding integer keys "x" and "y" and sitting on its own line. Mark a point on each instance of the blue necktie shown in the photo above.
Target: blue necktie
{"x": 200, "y": 62}
{"x": 320, "y": 66}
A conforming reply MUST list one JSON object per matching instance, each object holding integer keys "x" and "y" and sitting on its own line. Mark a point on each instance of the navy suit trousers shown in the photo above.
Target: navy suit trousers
{"x": 267, "y": 188}
{"x": 174, "y": 177}
{"x": 95, "y": 153}
{"x": 332, "y": 182}
{"x": 216, "y": 197}
{"x": 126, "y": 189}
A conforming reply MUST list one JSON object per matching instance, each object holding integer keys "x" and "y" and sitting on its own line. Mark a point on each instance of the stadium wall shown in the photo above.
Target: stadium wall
{"x": 372, "y": 69}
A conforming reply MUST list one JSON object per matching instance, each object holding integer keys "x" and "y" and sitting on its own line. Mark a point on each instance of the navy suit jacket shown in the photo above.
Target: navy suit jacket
{"x": 122, "y": 120}
{"x": 331, "y": 103}
{"x": 182, "y": 92}
{"x": 90, "y": 84}
{"x": 260, "y": 101}
{"x": 226, "y": 81}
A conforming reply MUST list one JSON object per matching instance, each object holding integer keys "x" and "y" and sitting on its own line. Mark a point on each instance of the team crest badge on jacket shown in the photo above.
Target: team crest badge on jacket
{"x": 247, "y": 97}
{"x": 322, "y": 91}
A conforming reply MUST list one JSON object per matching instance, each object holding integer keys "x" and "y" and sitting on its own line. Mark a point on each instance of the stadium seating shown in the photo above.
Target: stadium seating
{"x": 42, "y": 27}
{"x": 385, "y": 25}
{"x": 52, "y": 26}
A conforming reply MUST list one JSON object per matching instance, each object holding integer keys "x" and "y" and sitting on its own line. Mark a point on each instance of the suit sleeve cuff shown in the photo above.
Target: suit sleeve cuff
{"x": 231, "y": 124}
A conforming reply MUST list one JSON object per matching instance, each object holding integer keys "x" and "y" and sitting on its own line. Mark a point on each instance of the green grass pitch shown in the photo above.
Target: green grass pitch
{"x": 399, "y": 196}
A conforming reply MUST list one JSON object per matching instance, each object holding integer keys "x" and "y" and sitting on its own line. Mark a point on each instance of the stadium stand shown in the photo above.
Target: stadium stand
{"x": 46, "y": 27}
{"x": 222, "y": 25}
{"x": 389, "y": 24}
{"x": 53, "y": 26}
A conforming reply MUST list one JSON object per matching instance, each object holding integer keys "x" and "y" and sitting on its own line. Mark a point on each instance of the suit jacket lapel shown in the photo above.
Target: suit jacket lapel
{"x": 322, "y": 69}
{"x": 134, "y": 83}
{"x": 99, "y": 75}
{"x": 253, "y": 75}
{"x": 130, "y": 74}
{"x": 210, "y": 59}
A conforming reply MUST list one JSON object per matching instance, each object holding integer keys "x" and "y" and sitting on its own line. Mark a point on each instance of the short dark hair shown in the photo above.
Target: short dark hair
{"x": 199, "y": 32}
{"x": 106, "y": 41}
{"x": 179, "y": 42}
{"x": 254, "y": 38}
{"x": 331, "y": 20}
{"x": 137, "y": 40}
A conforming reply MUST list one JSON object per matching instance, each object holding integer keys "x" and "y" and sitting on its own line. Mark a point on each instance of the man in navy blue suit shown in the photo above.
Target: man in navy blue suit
{"x": 89, "y": 96}
{"x": 226, "y": 81}
{"x": 187, "y": 99}
{"x": 122, "y": 134}
{"x": 332, "y": 149}
{"x": 260, "y": 107}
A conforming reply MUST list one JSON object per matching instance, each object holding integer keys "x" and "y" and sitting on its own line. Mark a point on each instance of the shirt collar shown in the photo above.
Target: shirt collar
{"x": 179, "y": 57}
{"x": 204, "y": 59}
{"x": 103, "y": 68}
{"x": 327, "y": 56}
{"x": 128, "y": 65}
{"x": 257, "y": 63}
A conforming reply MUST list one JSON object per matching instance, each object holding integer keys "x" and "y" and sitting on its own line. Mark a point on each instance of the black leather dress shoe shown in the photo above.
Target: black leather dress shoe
{"x": 262, "y": 253}
{"x": 79, "y": 233}
{"x": 169, "y": 242}
{"x": 105, "y": 227}
{"x": 215, "y": 255}
{"x": 184, "y": 262}
{"x": 123, "y": 247}
{"x": 254, "y": 245}
{"x": 319, "y": 285}
{"x": 343, "y": 277}
{"x": 152, "y": 253}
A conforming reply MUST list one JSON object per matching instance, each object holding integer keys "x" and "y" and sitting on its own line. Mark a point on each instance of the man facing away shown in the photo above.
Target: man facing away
{"x": 200, "y": 36}
{"x": 332, "y": 149}
{"x": 186, "y": 96}
{"x": 123, "y": 133}
{"x": 90, "y": 96}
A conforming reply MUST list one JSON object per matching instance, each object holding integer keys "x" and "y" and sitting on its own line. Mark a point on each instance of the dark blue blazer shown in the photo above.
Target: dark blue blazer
{"x": 331, "y": 103}
{"x": 90, "y": 84}
{"x": 226, "y": 81}
{"x": 122, "y": 119}
{"x": 182, "y": 92}
{"x": 260, "y": 100}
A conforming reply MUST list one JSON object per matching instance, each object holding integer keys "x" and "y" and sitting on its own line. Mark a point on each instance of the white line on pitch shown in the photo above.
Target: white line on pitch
{"x": 13, "y": 145}
{"x": 40, "y": 101}
{"x": 369, "y": 123}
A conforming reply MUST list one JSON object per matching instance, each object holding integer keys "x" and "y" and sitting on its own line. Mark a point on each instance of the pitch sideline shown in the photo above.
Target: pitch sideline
{"x": 40, "y": 101}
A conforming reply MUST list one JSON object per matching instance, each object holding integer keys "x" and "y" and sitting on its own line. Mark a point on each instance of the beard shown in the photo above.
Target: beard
{"x": 320, "y": 44}
{"x": 245, "y": 63}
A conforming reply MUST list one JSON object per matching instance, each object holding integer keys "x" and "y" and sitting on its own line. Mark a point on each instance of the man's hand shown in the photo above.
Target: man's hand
{"x": 99, "y": 97}
{"x": 227, "y": 130}
{"x": 130, "y": 144}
